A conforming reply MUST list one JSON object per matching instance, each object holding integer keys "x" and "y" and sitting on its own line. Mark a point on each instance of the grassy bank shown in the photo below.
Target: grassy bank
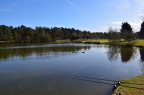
{"x": 100, "y": 41}
{"x": 138, "y": 43}
{"x": 131, "y": 86}
{"x": 62, "y": 41}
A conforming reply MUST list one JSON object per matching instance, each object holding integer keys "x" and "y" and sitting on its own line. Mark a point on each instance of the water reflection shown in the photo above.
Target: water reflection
{"x": 40, "y": 51}
{"x": 141, "y": 50}
{"x": 113, "y": 52}
{"x": 41, "y": 77}
{"x": 126, "y": 53}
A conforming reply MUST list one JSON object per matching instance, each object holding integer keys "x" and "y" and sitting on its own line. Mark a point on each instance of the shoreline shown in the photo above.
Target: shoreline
{"x": 135, "y": 43}
{"x": 131, "y": 86}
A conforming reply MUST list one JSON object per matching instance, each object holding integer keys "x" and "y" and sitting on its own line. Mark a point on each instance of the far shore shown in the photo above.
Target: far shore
{"x": 137, "y": 43}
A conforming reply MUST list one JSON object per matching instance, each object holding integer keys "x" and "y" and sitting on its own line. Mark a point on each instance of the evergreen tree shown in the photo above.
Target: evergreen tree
{"x": 126, "y": 31}
{"x": 142, "y": 30}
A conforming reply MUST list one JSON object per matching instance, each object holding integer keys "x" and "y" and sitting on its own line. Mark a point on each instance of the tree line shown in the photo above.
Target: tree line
{"x": 46, "y": 34}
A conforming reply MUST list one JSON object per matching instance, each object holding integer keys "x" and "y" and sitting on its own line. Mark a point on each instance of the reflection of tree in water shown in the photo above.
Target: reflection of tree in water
{"x": 113, "y": 52}
{"x": 142, "y": 67}
{"x": 127, "y": 53}
{"x": 141, "y": 50}
{"x": 40, "y": 51}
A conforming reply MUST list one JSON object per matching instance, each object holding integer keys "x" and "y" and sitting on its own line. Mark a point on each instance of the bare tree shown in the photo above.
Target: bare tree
{"x": 113, "y": 34}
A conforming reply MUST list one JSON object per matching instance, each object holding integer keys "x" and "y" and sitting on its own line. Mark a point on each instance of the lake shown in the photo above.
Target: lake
{"x": 53, "y": 69}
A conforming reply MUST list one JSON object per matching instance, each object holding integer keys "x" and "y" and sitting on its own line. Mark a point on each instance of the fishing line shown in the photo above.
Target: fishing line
{"x": 88, "y": 78}
{"x": 99, "y": 79}
{"x": 96, "y": 81}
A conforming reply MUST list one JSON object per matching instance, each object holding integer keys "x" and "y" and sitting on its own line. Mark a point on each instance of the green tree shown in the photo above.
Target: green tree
{"x": 0, "y": 32}
{"x": 19, "y": 31}
{"x": 36, "y": 37}
{"x": 5, "y": 33}
{"x": 126, "y": 31}
{"x": 15, "y": 34}
{"x": 24, "y": 33}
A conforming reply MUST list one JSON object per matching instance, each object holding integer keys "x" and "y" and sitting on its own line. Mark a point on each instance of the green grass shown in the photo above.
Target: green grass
{"x": 126, "y": 82}
{"x": 62, "y": 41}
{"x": 102, "y": 41}
{"x": 138, "y": 43}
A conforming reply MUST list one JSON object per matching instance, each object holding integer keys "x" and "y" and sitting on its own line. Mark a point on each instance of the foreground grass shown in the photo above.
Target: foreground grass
{"x": 133, "y": 82}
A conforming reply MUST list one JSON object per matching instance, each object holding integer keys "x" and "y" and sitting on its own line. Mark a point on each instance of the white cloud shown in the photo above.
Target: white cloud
{"x": 118, "y": 22}
{"x": 131, "y": 23}
{"x": 5, "y": 10}
{"x": 60, "y": 26}
{"x": 134, "y": 25}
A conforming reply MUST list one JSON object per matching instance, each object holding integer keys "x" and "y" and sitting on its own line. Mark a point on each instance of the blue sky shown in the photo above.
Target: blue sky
{"x": 90, "y": 15}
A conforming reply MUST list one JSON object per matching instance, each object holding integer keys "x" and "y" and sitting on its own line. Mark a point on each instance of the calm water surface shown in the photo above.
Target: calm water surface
{"x": 36, "y": 69}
